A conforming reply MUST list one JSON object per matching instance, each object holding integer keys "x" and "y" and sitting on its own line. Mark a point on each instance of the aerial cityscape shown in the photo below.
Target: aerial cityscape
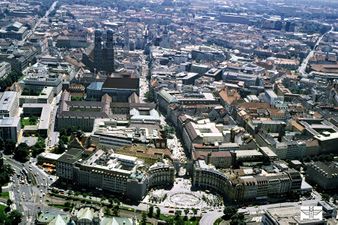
{"x": 168, "y": 112}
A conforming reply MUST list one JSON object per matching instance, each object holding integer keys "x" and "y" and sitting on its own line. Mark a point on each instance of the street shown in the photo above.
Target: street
{"x": 29, "y": 198}
{"x": 303, "y": 66}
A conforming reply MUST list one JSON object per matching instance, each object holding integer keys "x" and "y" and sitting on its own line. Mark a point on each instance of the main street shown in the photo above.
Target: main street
{"x": 303, "y": 66}
{"x": 28, "y": 197}
{"x": 37, "y": 24}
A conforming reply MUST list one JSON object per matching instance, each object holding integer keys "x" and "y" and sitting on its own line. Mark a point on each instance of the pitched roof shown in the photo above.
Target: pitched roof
{"x": 121, "y": 82}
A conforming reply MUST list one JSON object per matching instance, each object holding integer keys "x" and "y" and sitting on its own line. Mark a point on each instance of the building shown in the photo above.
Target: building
{"x": 5, "y": 69}
{"x": 39, "y": 95}
{"x": 15, "y": 31}
{"x": 323, "y": 174}
{"x": 94, "y": 91}
{"x": 119, "y": 132}
{"x": 272, "y": 98}
{"x": 201, "y": 132}
{"x": 287, "y": 215}
{"x": 43, "y": 111}
{"x": 247, "y": 184}
{"x": 323, "y": 131}
{"x": 9, "y": 104}
{"x": 39, "y": 78}
{"x": 72, "y": 40}
{"x": 81, "y": 114}
{"x": 220, "y": 159}
{"x": 10, "y": 128}
{"x": 100, "y": 57}
{"x": 114, "y": 173}
{"x": 120, "y": 88}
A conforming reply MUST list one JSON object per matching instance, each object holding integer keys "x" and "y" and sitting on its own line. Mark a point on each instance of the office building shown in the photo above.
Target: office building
{"x": 15, "y": 31}
{"x": 113, "y": 172}
{"x": 10, "y": 128}
{"x": 9, "y": 104}
{"x": 81, "y": 114}
{"x": 5, "y": 69}
{"x": 120, "y": 88}
{"x": 247, "y": 184}
{"x": 323, "y": 174}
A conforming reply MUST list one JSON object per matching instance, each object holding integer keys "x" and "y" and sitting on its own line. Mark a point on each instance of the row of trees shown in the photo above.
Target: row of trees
{"x": 10, "y": 218}
{"x": 12, "y": 77}
{"x": 231, "y": 213}
{"x": 64, "y": 139}
{"x": 176, "y": 220}
{"x": 5, "y": 173}
{"x": 7, "y": 217}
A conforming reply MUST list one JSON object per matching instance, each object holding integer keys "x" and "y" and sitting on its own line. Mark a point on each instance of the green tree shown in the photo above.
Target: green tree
{"x": 14, "y": 218}
{"x": 143, "y": 219}
{"x": 178, "y": 214}
{"x": 9, "y": 202}
{"x": 151, "y": 211}
{"x": 194, "y": 211}
{"x": 5, "y": 173}
{"x": 326, "y": 197}
{"x": 228, "y": 212}
{"x": 116, "y": 209}
{"x": 149, "y": 96}
{"x": 9, "y": 147}
{"x": 238, "y": 219}
{"x": 21, "y": 153}
{"x": 61, "y": 148}
{"x": 158, "y": 212}
{"x": 2, "y": 144}
{"x": 186, "y": 212}
{"x": 39, "y": 147}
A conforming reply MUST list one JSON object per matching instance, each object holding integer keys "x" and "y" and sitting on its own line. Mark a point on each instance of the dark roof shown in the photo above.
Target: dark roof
{"x": 191, "y": 131}
{"x": 71, "y": 156}
{"x": 85, "y": 104}
{"x": 121, "y": 82}
{"x": 80, "y": 114}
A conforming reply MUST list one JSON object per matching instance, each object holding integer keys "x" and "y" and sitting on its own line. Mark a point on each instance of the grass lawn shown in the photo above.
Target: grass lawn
{"x": 2, "y": 208}
{"x": 27, "y": 121}
{"x": 59, "y": 206}
{"x": 218, "y": 221}
{"x": 2, "y": 212}
{"x": 4, "y": 195}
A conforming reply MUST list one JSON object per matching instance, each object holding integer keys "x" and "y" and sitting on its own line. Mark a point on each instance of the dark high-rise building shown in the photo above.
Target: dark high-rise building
{"x": 101, "y": 56}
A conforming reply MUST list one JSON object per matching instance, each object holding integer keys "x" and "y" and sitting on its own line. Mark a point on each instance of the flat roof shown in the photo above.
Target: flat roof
{"x": 71, "y": 156}
{"x": 7, "y": 100}
{"x": 9, "y": 121}
{"x": 46, "y": 111}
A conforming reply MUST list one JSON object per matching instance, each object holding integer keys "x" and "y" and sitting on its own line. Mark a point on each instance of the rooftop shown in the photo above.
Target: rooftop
{"x": 7, "y": 100}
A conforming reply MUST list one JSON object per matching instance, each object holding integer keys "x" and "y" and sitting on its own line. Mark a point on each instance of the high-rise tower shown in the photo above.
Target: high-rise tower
{"x": 102, "y": 57}
{"x": 110, "y": 51}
